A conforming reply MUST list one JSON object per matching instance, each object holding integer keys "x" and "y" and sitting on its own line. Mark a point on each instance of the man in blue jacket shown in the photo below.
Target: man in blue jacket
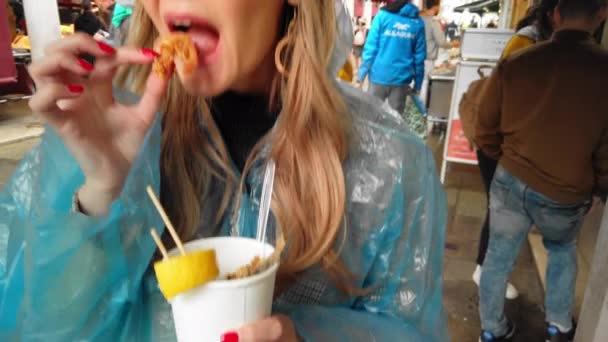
{"x": 394, "y": 53}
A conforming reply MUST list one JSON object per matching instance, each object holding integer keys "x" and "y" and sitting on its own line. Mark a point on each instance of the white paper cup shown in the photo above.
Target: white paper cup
{"x": 205, "y": 313}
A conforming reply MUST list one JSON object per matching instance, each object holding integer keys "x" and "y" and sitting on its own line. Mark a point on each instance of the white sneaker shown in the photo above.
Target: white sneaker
{"x": 511, "y": 292}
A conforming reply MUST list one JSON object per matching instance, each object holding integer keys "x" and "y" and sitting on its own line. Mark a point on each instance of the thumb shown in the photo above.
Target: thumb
{"x": 275, "y": 328}
{"x": 151, "y": 100}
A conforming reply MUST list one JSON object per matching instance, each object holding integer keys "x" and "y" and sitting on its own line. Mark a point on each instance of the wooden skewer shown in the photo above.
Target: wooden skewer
{"x": 165, "y": 218}
{"x": 159, "y": 243}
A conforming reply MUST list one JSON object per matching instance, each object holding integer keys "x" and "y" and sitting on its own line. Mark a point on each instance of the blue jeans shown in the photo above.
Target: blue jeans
{"x": 514, "y": 208}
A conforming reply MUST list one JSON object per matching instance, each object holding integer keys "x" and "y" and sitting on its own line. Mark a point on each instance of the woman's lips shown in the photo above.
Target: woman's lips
{"x": 206, "y": 42}
{"x": 205, "y": 36}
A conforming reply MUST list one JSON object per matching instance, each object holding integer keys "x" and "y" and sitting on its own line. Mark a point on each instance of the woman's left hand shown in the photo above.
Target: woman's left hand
{"x": 277, "y": 328}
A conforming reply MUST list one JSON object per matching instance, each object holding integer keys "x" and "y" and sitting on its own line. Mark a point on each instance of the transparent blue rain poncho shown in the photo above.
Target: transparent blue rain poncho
{"x": 67, "y": 277}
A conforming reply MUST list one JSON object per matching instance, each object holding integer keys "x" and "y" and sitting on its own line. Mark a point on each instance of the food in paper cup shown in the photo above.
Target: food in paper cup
{"x": 205, "y": 312}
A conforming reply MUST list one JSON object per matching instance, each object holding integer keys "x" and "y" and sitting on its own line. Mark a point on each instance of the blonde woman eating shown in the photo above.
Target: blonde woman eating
{"x": 356, "y": 194}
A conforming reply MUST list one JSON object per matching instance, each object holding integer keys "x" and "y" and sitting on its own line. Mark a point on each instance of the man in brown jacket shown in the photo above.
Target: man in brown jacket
{"x": 544, "y": 116}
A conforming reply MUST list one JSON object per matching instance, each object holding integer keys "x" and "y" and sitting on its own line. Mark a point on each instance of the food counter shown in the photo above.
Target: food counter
{"x": 440, "y": 96}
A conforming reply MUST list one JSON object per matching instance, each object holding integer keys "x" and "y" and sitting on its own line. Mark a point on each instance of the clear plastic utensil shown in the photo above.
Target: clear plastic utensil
{"x": 265, "y": 201}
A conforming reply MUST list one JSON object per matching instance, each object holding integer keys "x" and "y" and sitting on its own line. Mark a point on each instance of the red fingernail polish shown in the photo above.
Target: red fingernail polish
{"x": 150, "y": 53}
{"x": 230, "y": 337}
{"x": 106, "y": 48}
{"x": 76, "y": 89}
{"x": 85, "y": 65}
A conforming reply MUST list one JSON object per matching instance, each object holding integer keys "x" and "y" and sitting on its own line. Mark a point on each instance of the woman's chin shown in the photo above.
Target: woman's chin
{"x": 201, "y": 84}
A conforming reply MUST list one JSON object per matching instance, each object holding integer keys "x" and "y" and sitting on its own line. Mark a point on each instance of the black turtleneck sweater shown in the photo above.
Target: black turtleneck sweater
{"x": 242, "y": 119}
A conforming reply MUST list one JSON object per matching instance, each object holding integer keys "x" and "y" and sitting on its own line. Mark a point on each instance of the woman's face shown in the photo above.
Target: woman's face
{"x": 235, "y": 41}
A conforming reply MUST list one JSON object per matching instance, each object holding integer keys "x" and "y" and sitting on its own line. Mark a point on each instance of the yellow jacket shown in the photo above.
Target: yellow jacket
{"x": 347, "y": 72}
{"x": 516, "y": 43}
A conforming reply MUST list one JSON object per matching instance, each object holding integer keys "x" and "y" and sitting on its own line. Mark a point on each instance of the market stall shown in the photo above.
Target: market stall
{"x": 69, "y": 10}
{"x": 439, "y": 97}
{"x": 15, "y": 41}
{"x": 14, "y": 79}
{"x": 362, "y": 7}
{"x": 481, "y": 50}
{"x": 441, "y": 84}
{"x": 8, "y": 72}
{"x": 481, "y": 6}
{"x": 439, "y": 101}
{"x": 458, "y": 16}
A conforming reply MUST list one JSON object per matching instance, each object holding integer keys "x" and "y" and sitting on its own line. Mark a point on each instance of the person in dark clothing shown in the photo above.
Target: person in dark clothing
{"x": 88, "y": 22}
{"x": 537, "y": 26}
{"x": 543, "y": 179}
{"x": 17, "y": 6}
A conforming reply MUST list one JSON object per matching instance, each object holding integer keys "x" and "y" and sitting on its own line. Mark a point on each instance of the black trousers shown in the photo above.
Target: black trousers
{"x": 487, "y": 167}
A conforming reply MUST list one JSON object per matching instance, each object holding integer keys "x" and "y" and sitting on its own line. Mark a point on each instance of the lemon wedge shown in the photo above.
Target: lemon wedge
{"x": 184, "y": 272}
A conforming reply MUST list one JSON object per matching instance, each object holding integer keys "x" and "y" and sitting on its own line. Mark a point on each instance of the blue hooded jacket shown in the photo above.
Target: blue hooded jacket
{"x": 395, "y": 49}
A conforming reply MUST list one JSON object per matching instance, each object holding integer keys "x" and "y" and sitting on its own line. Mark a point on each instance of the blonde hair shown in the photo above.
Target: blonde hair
{"x": 309, "y": 144}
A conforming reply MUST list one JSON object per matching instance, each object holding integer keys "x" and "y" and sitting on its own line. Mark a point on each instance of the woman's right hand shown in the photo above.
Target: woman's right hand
{"x": 77, "y": 101}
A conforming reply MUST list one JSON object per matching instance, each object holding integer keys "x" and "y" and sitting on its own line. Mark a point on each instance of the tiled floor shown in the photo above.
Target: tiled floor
{"x": 10, "y": 155}
{"x": 16, "y": 123}
{"x": 466, "y": 201}
{"x": 18, "y": 133}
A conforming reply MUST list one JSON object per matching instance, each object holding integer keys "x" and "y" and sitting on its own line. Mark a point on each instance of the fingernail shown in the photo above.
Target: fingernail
{"x": 230, "y": 337}
{"x": 85, "y": 65}
{"x": 106, "y": 48}
{"x": 76, "y": 89}
{"x": 150, "y": 53}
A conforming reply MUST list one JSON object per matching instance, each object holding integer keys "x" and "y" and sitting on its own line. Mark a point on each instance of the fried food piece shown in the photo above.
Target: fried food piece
{"x": 257, "y": 265}
{"x": 180, "y": 46}
{"x": 247, "y": 270}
